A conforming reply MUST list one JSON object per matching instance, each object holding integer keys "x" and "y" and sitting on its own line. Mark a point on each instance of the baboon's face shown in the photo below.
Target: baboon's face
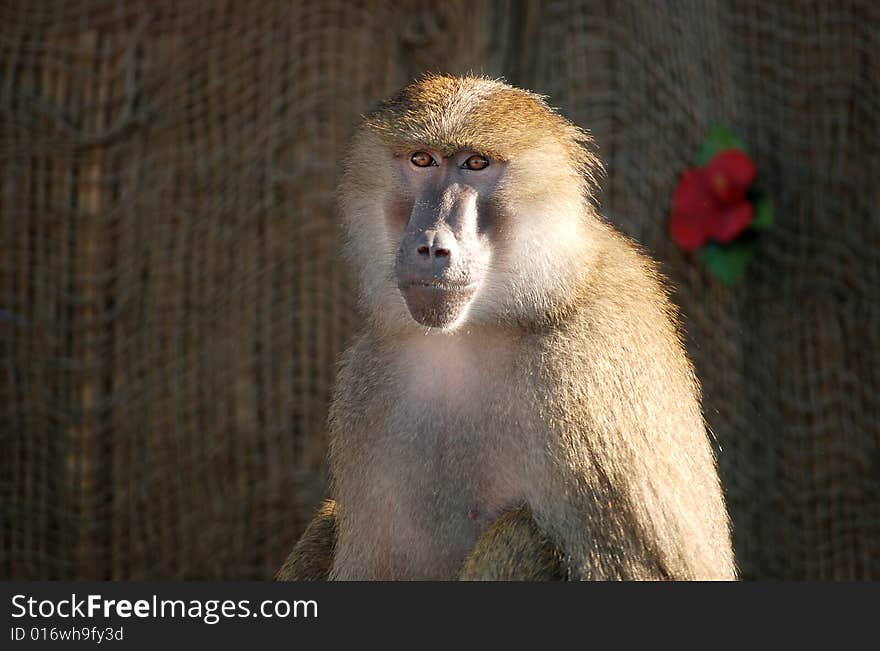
{"x": 448, "y": 225}
{"x": 464, "y": 203}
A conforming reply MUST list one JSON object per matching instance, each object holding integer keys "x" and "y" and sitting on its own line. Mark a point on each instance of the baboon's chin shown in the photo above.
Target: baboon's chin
{"x": 434, "y": 306}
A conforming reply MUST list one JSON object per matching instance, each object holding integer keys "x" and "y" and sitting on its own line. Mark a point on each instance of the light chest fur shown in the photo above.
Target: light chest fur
{"x": 449, "y": 453}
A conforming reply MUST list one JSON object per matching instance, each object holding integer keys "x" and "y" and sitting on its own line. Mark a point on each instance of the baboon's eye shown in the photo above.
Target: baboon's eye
{"x": 422, "y": 159}
{"x": 476, "y": 163}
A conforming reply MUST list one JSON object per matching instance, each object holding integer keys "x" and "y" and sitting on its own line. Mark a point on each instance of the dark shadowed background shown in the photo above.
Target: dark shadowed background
{"x": 171, "y": 304}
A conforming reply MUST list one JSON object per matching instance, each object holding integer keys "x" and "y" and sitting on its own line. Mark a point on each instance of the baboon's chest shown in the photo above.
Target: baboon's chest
{"x": 454, "y": 456}
{"x": 439, "y": 498}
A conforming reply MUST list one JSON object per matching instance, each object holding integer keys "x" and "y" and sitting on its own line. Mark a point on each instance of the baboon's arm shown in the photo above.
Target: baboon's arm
{"x": 514, "y": 549}
{"x": 312, "y": 556}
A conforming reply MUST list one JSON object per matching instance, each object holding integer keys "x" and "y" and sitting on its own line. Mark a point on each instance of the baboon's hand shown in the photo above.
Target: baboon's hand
{"x": 514, "y": 549}
{"x": 312, "y": 556}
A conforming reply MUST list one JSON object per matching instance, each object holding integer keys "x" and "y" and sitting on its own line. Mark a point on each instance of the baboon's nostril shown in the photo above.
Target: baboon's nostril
{"x": 423, "y": 250}
{"x": 441, "y": 253}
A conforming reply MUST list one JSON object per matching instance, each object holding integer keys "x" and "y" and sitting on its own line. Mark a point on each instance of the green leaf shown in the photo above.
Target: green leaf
{"x": 763, "y": 213}
{"x": 718, "y": 139}
{"x": 727, "y": 263}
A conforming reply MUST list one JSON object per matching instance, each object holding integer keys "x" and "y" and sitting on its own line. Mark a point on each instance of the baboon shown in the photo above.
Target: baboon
{"x": 518, "y": 404}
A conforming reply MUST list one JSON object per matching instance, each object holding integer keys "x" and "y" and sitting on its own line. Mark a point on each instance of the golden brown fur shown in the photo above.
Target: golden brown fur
{"x": 514, "y": 549}
{"x": 312, "y": 556}
{"x": 453, "y": 113}
{"x": 555, "y": 431}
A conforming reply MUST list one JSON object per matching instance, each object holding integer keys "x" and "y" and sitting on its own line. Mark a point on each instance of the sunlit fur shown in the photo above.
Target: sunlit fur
{"x": 564, "y": 389}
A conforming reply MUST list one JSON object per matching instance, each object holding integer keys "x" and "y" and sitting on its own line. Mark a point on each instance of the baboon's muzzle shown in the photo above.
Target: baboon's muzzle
{"x": 436, "y": 258}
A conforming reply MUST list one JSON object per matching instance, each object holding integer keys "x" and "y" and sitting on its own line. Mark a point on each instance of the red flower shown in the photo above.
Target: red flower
{"x": 710, "y": 203}
{"x": 729, "y": 175}
{"x": 694, "y": 210}
{"x": 734, "y": 220}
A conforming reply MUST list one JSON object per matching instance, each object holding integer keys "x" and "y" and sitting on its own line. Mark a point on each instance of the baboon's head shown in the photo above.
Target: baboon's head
{"x": 465, "y": 201}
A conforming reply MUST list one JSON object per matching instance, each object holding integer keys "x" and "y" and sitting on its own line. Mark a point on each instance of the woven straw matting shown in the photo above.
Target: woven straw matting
{"x": 171, "y": 305}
